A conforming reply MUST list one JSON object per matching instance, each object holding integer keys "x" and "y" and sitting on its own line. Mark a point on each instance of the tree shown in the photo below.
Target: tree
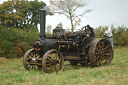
{"x": 49, "y": 28}
{"x": 34, "y": 11}
{"x": 20, "y": 13}
{"x": 6, "y": 14}
{"x": 99, "y": 31}
{"x": 69, "y": 9}
{"x": 13, "y": 13}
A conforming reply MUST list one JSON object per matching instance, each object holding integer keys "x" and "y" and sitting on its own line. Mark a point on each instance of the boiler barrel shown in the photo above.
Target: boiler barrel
{"x": 66, "y": 46}
{"x": 62, "y": 46}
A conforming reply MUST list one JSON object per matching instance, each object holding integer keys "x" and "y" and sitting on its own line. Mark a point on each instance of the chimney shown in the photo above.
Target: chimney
{"x": 42, "y": 23}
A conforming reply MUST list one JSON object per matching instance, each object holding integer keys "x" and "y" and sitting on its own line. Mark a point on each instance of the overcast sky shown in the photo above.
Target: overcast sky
{"x": 105, "y": 12}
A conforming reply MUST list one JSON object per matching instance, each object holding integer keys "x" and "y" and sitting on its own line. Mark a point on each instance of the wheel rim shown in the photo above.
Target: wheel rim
{"x": 103, "y": 53}
{"x": 29, "y": 59}
{"x": 52, "y": 61}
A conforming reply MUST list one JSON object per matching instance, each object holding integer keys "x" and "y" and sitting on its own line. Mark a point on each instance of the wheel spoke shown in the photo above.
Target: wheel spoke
{"x": 58, "y": 66}
{"x": 105, "y": 59}
{"x": 52, "y": 68}
{"x": 105, "y": 47}
{"x": 97, "y": 53}
{"x": 49, "y": 59}
{"x": 58, "y": 63}
{"x": 49, "y": 64}
{"x": 102, "y": 62}
{"x": 49, "y": 55}
{"x": 32, "y": 66}
{"x": 49, "y": 69}
{"x": 31, "y": 55}
{"x": 97, "y": 57}
{"x": 58, "y": 59}
{"x": 54, "y": 55}
{"x": 57, "y": 56}
{"x": 29, "y": 66}
{"x": 106, "y": 53}
{"x": 104, "y": 56}
{"x": 34, "y": 54}
{"x": 97, "y": 62}
{"x": 102, "y": 45}
{"x": 99, "y": 46}
{"x": 97, "y": 49}
{"x": 37, "y": 55}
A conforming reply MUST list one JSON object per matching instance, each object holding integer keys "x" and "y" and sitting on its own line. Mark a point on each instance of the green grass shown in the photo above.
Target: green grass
{"x": 12, "y": 72}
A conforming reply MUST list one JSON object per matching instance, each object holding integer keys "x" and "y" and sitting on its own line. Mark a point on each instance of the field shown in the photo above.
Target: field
{"x": 12, "y": 72}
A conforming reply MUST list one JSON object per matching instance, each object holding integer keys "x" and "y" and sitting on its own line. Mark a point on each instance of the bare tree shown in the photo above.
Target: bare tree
{"x": 69, "y": 9}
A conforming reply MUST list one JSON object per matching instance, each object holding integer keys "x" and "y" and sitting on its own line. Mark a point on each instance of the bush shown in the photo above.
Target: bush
{"x": 99, "y": 31}
{"x": 15, "y": 42}
{"x": 6, "y": 46}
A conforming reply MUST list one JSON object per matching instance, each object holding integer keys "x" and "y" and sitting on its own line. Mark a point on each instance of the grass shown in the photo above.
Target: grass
{"x": 12, "y": 72}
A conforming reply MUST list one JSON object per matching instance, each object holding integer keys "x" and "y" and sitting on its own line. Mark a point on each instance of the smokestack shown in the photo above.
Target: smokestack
{"x": 42, "y": 23}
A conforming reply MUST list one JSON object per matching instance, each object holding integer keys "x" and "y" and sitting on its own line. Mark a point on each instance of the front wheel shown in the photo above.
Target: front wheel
{"x": 52, "y": 61}
{"x": 29, "y": 60}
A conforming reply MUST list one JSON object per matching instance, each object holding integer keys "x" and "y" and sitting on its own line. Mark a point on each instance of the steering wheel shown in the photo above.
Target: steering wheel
{"x": 86, "y": 37}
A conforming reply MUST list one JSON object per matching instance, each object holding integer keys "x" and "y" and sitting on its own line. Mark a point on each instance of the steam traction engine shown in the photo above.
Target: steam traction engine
{"x": 81, "y": 47}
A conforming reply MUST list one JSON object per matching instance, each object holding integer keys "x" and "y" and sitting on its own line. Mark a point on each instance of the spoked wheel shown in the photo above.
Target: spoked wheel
{"x": 29, "y": 60}
{"x": 52, "y": 61}
{"x": 100, "y": 52}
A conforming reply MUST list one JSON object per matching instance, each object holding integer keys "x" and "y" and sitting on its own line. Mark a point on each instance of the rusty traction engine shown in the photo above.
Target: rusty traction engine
{"x": 49, "y": 53}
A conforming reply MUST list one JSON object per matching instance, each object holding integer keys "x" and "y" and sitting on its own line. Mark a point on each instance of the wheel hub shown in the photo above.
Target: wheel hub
{"x": 33, "y": 60}
{"x": 54, "y": 62}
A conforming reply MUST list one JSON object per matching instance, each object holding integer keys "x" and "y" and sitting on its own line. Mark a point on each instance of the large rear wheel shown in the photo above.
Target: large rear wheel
{"x": 100, "y": 52}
